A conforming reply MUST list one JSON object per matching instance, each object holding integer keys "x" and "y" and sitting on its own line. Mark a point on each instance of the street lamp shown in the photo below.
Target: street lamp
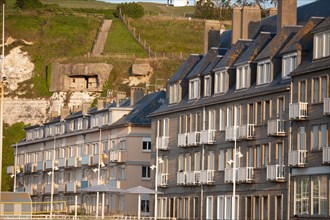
{"x": 155, "y": 167}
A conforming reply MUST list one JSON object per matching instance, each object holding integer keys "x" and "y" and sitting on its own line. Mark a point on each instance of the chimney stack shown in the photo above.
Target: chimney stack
{"x": 119, "y": 97}
{"x": 211, "y": 34}
{"x": 286, "y": 13}
{"x": 65, "y": 112}
{"x": 137, "y": 94}
{"x": 271, "y": 12}
{"x": 85, "y": 107}
{"x": 100, "y": 102}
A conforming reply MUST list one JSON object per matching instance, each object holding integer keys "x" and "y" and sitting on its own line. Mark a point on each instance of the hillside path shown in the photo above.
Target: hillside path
{"x": 101, "y": 38}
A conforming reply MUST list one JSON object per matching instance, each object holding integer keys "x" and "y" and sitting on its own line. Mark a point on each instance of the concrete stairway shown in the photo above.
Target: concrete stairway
{"x": 101, "y": 38}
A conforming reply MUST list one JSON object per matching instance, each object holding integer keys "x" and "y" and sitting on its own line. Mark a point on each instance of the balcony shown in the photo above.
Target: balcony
{"x": 32, "y": 190}
{"x": 208, "y": 136}
{"x": 28, "y": 168}
{"x": 48, "y": 188}
{"x": 40, "y": 189}
{"x": 162, "y": 179}
{"x": 231, "y": 133}
{"x": 118, "y": 156}
{"x": 243, "y": 174}
{"x": 10, "y": 169}
{"x": 72, "y": 187}
{"x": 183, "y": 140}
{"x": 97, "y": 158}
{"x": 246, "y": 132}
{"x": 297, "y": 158}
{"x": 326, "y": 155}
{"x": 40, "y": 166}
{"x": 86, "y": 160}
{"x": 49, "y": 164}
{"x": 194, "y": 138}
{"x": 73, "y": 161}
{"x": 62, "y": 162}
{"x": 207, "y": 176}
{"x": 276, "y": 127}
{"x": 326, "y": 106}
{"x": 34, "y": 167}
{"x": 298, "y": 110}
{"x": 181, "y": 178}
{"x": 62, "y": 188}
{"x": 117, "y": 183}
{"x": 276, "y": 173}
{"x": 162, "y": 143}
{"x": 192, "y": 177}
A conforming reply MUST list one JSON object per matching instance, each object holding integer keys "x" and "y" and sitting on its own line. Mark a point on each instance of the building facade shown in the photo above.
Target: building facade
{"x": 110, "y": 144}
{"x": 266, "y": 97}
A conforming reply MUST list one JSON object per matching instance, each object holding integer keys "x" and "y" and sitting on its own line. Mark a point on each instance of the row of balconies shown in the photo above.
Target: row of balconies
{"x": 195, "y": 177}
{"x": 299, "y": 110}
{"x": 196, "y": 138}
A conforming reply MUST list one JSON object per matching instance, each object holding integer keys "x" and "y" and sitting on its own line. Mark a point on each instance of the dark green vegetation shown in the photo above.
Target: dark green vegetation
{"x": 132, "y": 10}
{"x": 12, "y": 135}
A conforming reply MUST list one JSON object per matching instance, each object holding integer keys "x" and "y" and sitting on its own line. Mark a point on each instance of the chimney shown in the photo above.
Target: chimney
{"x": 245, "y": 22}
{"x": 137, "y": 94}
{"x": 286, "y": 13}
{"x": 271, "y": 12}
{"x": 100, "y": 103}
{"x": 85, "y": 107}
{"x": 65, "y": 112}
{"x": 120, "y": 97}
{"x": 211, "y": 34}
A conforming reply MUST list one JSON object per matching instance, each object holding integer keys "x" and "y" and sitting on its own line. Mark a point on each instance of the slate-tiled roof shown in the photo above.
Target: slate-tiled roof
{"x": 303, "y": 39}
{"x": 184, "y": 69}
{"x": 233, "y": 54}
{"x": 211, "y": 66}
{"x": 310, "y": 65}
{"x": 142, "y": 109}
{"x": 324, "y": 25}
{"x": 205, "y": 62}
{"x": 256, "y": 46}
{"x": 277, "y": 43}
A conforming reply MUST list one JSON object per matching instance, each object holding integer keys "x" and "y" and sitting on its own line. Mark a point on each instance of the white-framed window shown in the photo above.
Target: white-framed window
{"x": 242, "y": 77}
{"x": 322, "y": 45}
{"x": 80, "y": 123}
{"x": 319, "y": 136}
{"x": 289, "y": 63}
{"x": 301, "y": 195}
{"x": 207, "y": 86}
{"x": 209, "y": 207}
{"x": 210, "y": 161}
{"x": 266, "y": 153}
{"x": 145, "y": 172}
{"x": 302, "y": 91}
{"x": 146, "y": 144}
{"x": 219, "y": 82}
{"x": 174, "y": 93}
{"x": 222, "y": 119}
{"x": 212, "y": 116}
{"x": 163, "y": 127}
{"x": 145, "y": 206}
{"x": 222, "y": 161}
{"x": 319, "y": 89}
{"x": 263, "y": 72}
{"x": 224, "y": 210}
{"x": 194, "y": 89}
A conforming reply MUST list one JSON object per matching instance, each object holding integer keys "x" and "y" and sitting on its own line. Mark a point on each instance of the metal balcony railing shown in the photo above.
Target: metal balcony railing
{"x": 326, "y": 155}
{"x": 162, "y": 143}
{"x": 72, "y": 187}
{"x": 10, "y": 169}
{"x": 192, "y": 177}
{"x": 181, "y": 178}
{"x": 276, "y": 172}
{"x": 194, "y": 138}
{"x": 62, "y": 187}
{"x": 40, "y": 166}
{"x": 276, "y": 127}
{"x": 48, "y": 188}
{"x": 298, "y": 110}
{"x": 183, "y": 140}
{"x": 207, "y": 176}
{"x": 326, "y": 106}
{"x": 162, "y": 179}
{"x": 208, "y": 136}
{"x": 86, "y": 160}
{"x": 72, "y": 162}
{"x": 297, "y": 157}
{"x": 243, "y": 174}
{"x": 246, "y": 131}
{"x": 231, "y": 133}
{"x": 62, "y": 162}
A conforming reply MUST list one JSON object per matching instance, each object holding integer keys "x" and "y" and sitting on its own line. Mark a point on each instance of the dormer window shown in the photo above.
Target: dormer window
{"x": 289, "y": 63}
{"x": 207, "y": 86}
{"x": 80, "y": 123}
{"x": 219, "y": 82}
{"x": 322, "y": 45}
{"x": 242, "y": 76}
{"x": 174, "y": 93}
{"x": 194, "y": 88}
{"x": 263, "y": 73}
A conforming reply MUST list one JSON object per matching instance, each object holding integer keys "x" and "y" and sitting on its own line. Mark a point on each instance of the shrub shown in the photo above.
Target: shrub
{"x": 28, "y": 4}
{"x": 132, "y": 10}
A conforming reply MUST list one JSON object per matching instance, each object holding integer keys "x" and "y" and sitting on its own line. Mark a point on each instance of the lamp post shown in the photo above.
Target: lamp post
{"x": 52, "y": 184}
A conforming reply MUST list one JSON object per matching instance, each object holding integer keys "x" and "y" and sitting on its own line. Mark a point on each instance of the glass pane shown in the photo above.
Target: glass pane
{"x": 316, "y": 90}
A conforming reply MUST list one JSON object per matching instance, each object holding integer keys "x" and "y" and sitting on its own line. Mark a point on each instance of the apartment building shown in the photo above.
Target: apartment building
{"x": 109, "y": 144}
{"x": 254, "y": 97}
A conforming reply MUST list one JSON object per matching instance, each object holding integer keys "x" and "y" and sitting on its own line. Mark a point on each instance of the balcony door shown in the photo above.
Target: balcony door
{"x": 301, "y": 139}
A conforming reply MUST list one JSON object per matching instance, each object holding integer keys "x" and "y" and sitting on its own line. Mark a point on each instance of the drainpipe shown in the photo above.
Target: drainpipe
{"x": 289, "y": 148}
{"x": 202, "y": 167}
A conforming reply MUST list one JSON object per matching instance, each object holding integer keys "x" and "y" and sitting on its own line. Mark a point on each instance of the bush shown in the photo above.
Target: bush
{"x": 132, "y": 10}
{"x": 28, "y": 4}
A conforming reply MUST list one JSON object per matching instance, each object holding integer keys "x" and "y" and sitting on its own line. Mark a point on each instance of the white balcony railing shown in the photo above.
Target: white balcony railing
{"x": 208, "y": 136}
{"x": 62, "y": 162}
{"x": 96, "y": 159}
{"x": 86, "y": 160}
{"x": 113, "y": 156}
{"x": 243, "y": 174}
{"x": 192, "y": 177}
{"x": 62, "y": 187}
{"x": 72, "y": 161}
{"x": 48, "y": 188}
{"x": 10, "y": 169}
{"x": 326, "y": 106}
{"x": 118, "y": 156}
{"x": 276, "y": 172}
{"x": 72, "y": 187}
{"x": 40, "y": 166}
{"x": 182, "y": 139}
{"x": 326, "y": 155}
{"x": 181, "y": 178}
{"x": 194, "y": 138}
{"x": 231, "y": 133}
{"x": 162, "y": 179}
{"x": 297, "y": 157}
{"x": 298, "y": 110}
{"x": 162, "y": 143}
{"x": 246, "y": 131}
{"x": 275, "y": 127}
{"x": 207, "y": 176}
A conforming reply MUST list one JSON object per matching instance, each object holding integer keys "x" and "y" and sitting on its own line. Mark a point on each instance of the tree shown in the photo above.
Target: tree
{"x": 28, "y": 4}
{"x": 204, "y": 9}
{"x": 132, "y": 10}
